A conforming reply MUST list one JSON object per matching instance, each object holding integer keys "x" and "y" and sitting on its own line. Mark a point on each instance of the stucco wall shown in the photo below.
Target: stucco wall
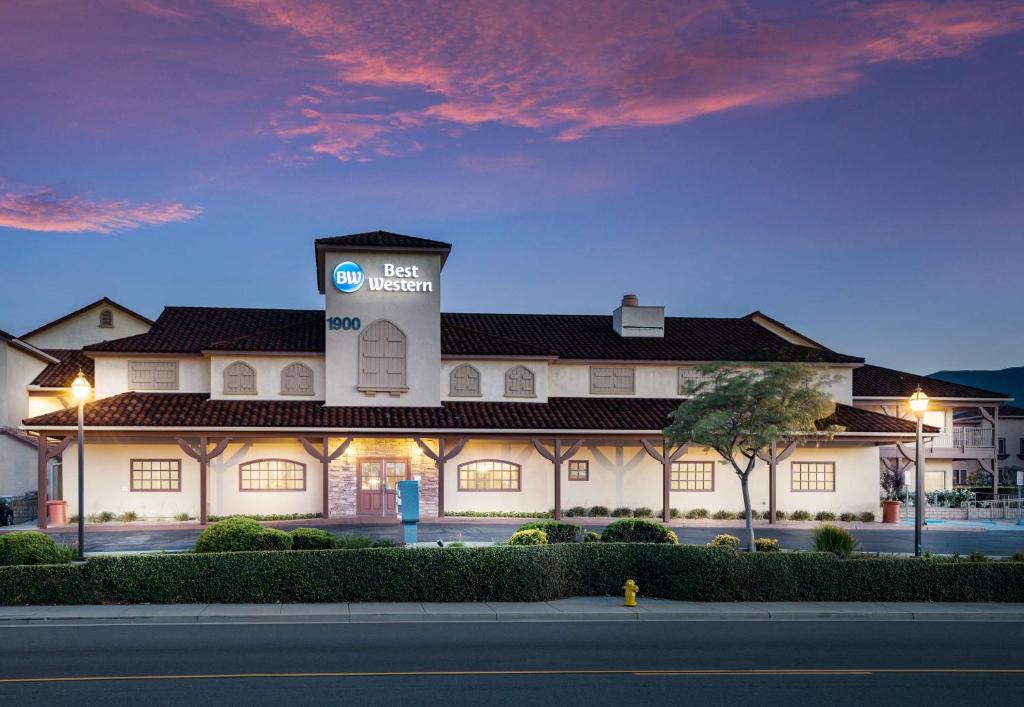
{"x": 19, "y": 369}
{"x": 492, "y": 379}
{"x": 112, "y": 374}
{"x": 268, "y": 376}
{"x": 84, "y": 328}
{"x": 17, "y": 467}
{"x": 108, "y": 487}
{"x": 417, "y": 314}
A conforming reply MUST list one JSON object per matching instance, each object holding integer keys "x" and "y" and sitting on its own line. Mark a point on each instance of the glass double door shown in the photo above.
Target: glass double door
{"x": 378, "y": 479}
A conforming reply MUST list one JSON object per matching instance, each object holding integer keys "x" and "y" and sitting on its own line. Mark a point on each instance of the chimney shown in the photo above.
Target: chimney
{"x": 630, "y": 319}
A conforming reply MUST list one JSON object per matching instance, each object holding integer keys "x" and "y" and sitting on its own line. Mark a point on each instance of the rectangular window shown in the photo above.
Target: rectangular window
{"x": 156, "y": 475}
{"x": 612, "y": 381}
{"x": 272, "y": 475}
{"x": 153, "y": 375}
{"x": 693, "y": 476}
{"x": 813, "y": 476}
{"x": 1021, "y": 452}
{"x": 489, "y": 475}
{"x": 959, "y": 477}
{"x": 579, "y": 470}
{"x": 1002, "y": 446}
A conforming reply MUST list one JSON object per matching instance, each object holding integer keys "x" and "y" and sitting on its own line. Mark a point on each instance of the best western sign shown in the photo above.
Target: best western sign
{"x": 349, "y": 277}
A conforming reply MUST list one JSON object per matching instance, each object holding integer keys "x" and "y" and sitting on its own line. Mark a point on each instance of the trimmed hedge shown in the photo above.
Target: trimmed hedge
{"x": 312, "y": 539}
{"x": 555, "y": 531}
{"x": 638, "y": 530}
{"x": 503, "y": 573}
{"x": 30, "y": 547}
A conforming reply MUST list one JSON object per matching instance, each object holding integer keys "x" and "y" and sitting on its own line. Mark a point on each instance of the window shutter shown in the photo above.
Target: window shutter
{"x": 297, "y": 379}
{"x": 519, "y": 382}
{"x": 239, "y": 379}
{"x": 613, "y": 381}
{"x": 382, "y": 354}
{"x": 464, "y": 380}
{"x": 153, "y": 375}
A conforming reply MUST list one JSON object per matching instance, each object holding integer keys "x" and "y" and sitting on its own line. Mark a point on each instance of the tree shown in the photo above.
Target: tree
{"x": 741, "y": 411}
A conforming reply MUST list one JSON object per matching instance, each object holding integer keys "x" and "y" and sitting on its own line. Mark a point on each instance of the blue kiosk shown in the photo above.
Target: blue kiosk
{"x": 407, "y": 506}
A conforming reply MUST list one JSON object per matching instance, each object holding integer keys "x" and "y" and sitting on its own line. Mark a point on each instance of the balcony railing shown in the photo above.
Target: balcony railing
{"x": 960, "y": 437}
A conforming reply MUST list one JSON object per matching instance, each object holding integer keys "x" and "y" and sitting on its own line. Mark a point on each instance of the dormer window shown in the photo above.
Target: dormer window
{"x": 106, "y": 319}
{"x": 239, "y": 379}
{"x": 519, "y": 383}
{"x": 464, "y": 381}
{"x": 297, "y": 379}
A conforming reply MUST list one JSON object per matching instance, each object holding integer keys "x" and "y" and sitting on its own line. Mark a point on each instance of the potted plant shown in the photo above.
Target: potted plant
{"x": 892, "y": 483}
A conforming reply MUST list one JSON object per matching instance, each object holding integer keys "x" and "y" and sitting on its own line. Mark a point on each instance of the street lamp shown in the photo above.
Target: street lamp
{"x": 81, "y": 389}
{"x": 919, "y": 406}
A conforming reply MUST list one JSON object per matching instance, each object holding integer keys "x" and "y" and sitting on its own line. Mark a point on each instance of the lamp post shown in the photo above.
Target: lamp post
{"x": 81, "y": 389}
{"x": 919, "y": 406}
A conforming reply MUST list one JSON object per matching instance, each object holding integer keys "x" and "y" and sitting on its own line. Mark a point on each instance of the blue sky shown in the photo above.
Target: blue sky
{"x": 855, "y": 171}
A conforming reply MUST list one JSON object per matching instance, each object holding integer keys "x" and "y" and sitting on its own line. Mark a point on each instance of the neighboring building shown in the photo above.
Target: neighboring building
{"x": 1009, "y": 449}
{"x": 968, "y": 419}
{"x": 225, "y": 411}
{"x": 36, "y": 370}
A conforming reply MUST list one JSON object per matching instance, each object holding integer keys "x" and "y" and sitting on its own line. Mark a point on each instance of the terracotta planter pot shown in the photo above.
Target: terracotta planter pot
{"x": 890, "y": 511}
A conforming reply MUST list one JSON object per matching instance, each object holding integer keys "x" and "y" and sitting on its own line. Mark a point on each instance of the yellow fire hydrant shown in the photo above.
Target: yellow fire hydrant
{"x": 631, "y": 590}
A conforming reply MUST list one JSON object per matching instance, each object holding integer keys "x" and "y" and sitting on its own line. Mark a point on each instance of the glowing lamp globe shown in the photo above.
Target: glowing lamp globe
{"x": 81, "y": 388}
{"x": 918, "y": 401}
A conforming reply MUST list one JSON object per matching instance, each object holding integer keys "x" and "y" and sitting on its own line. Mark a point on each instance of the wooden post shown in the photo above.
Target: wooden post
{"x": 41, "y": 481}
{"x": 443, "y": 454}
{"x": 203, "y": 454}
{"x": 556, "y": 459}
{"x": 325, "y": 456}
{"x": 773, "y": 457}
{"x": 666, "y": 456}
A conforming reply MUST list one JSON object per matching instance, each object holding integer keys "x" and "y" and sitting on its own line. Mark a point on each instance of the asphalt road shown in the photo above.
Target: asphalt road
{"x": 990, "y": 542}
{"x": 584, "y": 663}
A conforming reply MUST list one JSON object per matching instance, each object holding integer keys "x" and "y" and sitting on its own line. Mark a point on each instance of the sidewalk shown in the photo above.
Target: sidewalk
{"x": 575, "y": 609}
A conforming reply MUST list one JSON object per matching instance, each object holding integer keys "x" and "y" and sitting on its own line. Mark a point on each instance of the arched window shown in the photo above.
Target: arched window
{"x": 382, "y": 359}
{"x": 297, "y": 379}
{"x": 106, "y": 319}
{"x": 464, "y": 380}
{"x": 272, "y": 475}
{"x": 519, "y": 383}
{"x": 240, "y": 379}
{"x": 489, "y": 475}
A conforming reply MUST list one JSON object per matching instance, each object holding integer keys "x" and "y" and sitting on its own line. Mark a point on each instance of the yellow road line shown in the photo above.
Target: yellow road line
{"x": 780, "y": 672}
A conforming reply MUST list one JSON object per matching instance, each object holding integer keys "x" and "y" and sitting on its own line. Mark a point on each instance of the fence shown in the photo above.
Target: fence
{"x": 24, "y": 507}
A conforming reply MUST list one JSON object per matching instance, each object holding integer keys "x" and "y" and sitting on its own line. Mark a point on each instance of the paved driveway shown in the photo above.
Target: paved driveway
{"x": 988, "y": 541}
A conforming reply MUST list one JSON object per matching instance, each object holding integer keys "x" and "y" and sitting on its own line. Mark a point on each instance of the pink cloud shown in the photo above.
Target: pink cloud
{"x": 42, "y": 209}
{"x": 571, "y": 68}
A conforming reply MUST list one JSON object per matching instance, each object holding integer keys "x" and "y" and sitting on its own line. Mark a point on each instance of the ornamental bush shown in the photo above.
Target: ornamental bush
{"x": 799, "y": 515}
{"x": 638, "y": 530}
{"x": 575, "y": 512}
{"x": 697, "y": 513}
{"x": 642, "y": 512}
{"x": 28, "y": 547}
{"x": 311, "y": 539}
{"x": 832, "y": 538}
{"x": 556, "y": 532}
{"x": 229, "y": 535}
{"x": 271, "y": 539}
{"x": 825, "y": 515}
{"x": 767, "y": 545}
{"x": 533, "y": 536}
{"x": 598, "y": 511}
{"x": 722, "y": 515}
{"x": 727, "y": 541}
{"x": 867, "y": 517}
{"x": 622, "y": 512}
{"x": 591, "y": 537}
{"x": 847, "y": 517}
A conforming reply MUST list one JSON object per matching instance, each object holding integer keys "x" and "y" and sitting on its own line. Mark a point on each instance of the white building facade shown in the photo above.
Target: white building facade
{"x": 218, "y": 411}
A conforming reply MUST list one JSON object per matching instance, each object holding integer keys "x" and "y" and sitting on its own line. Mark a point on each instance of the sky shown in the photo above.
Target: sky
{"x": 853, "y": 169}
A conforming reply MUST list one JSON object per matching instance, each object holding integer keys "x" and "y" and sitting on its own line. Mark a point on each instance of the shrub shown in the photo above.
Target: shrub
{"x": 799, "y": 515}
{"x": 556, "y": 532}
{"x": 271, "y": 539}
{"x": 598, "y": 511}
{"x": 360, "y": 542}
{"x": 128, "y": 517}
{"x": 697, "y": 513}
{"x": 28, "y": 547}
{"x": 832, "y": 538}
{"x": 780, "y": 515}
{"x": 643, "y": 512}
{"x": 591, "y": 537}
{"x": 867, "y": 517}
{"x": 533, "y": 536}
{"x": 729, "y": 541}
{"x": 1017, "y": 556}
{"x": 638, "y": 530}
{"x": 847, "y": 517}
{"x": 104, "y": 517}
{"x": 825, "y": 515}
{"x": 976, "y": 556}
{"x": 675, "y": 513}
{"x": 230, "y": 535}
{"x": 269, "y": 516}
{"x": 575, "y": 512}
{"x": 311, "y": 539}
{"x": 742, "y": 515}
{"x": 722, "y": 515}
{"x": 767, "y": 545}
{"x": 182, "y": 516}
{"x": 498, "y": 514}
{"x": 622, "y": 512}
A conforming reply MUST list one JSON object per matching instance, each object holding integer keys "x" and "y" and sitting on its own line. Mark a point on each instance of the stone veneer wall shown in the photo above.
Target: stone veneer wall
{"x": 341, "y": 482}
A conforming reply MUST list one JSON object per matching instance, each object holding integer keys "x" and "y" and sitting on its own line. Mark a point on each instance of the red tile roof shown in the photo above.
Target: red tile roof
{"x": 61, "y": 375}
{"x": 191, "y": 410}
{"x": 588, "y": 337}
{"x": 878, "y": 382}
{"x": 383, "y": 239}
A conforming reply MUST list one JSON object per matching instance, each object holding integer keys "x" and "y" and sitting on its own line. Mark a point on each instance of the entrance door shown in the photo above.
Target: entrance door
{"x": 378, "y": 479}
